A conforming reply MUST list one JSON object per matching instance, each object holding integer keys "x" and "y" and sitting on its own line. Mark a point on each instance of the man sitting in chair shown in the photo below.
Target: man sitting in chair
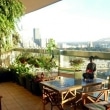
{"x": 90, "y": 69}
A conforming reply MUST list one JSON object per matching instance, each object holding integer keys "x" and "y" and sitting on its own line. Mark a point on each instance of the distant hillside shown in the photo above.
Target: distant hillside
{"x": 104, "y": 40}
{"x": 100, "y": 40}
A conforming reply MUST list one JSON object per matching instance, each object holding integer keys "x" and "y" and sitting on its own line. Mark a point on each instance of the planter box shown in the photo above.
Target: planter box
{"x": 5, "y": 75}
{"x": 22, "y": 80}
{"x": 69, "y": 75}
{"x": 78, "y": 75}
{"x": 36, "y": 88}
{"x": 29, "y": 84}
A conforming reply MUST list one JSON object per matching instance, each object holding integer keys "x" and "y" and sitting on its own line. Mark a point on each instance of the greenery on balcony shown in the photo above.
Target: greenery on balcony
{"x": 26, "y": 66}
{"x": 10, "y": 14}
{"x": 76, "y": 63}
{"x": 27, "y": 62}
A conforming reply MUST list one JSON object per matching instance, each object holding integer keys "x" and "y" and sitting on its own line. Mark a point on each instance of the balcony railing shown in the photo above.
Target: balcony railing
{"x": 102, "y": 57}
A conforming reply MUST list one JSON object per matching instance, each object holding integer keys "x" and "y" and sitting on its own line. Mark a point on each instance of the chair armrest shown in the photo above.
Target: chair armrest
{"x": 107, "y": 106}
{"x": 99, "y": 90}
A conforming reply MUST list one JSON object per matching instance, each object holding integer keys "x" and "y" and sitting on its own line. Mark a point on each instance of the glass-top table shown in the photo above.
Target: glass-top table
{"x": 66, "y": 87}
{"x": 62, "y": 83}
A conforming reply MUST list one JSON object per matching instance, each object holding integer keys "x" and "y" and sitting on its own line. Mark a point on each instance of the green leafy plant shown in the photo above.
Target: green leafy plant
{"x": 76, "y": 63}
{"x": 10, "y": 13}
{"x": 23, "y": 57}
{"x": 22, "y": 68}
{"x": 48, "y": 62}
{"x": 45, "y": 63}
{"x": 16, "y": 39}
{"x": 50, "y": 47}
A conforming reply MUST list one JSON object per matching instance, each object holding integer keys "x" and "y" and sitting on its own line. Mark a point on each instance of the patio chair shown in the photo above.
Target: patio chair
{"x": 93, "y": 93}
{"x": 103, "y": 105}
{"x": 107, "y": 106}
{"x": 52, "y": 97}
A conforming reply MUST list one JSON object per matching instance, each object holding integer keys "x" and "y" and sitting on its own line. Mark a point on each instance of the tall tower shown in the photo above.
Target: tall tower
{"x": 37, "y": 37}
{"x": 90, "y": 44}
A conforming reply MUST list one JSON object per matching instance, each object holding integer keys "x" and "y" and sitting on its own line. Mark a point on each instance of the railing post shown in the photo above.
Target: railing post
{"x": 59, "y": 63}
{"x": 108, "y": 82}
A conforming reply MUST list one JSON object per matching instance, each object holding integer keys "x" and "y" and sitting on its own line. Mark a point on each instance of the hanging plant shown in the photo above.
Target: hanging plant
{"x": 10, "y": 13}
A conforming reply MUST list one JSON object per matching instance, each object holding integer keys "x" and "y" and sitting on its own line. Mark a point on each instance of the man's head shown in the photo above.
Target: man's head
{"x": 91, "y": 58}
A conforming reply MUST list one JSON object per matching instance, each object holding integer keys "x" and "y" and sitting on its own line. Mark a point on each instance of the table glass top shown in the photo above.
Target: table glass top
{"x": 64, "y": 82}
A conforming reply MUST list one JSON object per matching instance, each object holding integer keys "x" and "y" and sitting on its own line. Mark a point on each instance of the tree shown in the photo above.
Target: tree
{"x": 51, "y": 46}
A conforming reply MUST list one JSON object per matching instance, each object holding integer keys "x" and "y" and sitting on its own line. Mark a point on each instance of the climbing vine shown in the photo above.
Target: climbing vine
{"x": 10, "y": 13}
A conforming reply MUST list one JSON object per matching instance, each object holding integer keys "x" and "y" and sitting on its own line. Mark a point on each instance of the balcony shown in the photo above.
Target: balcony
{"x": 15, "y": 93}
{"x": 63, "y": 56}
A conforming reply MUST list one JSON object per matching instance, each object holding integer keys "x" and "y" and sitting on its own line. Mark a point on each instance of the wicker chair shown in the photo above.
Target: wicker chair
{"x": 94, "y": 93}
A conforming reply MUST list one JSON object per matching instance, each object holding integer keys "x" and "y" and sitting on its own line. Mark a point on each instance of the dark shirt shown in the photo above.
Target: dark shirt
{"x": 91, "y": 67}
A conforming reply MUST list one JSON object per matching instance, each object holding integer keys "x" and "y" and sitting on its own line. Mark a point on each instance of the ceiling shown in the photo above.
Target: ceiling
{"x": 32, "y": 5}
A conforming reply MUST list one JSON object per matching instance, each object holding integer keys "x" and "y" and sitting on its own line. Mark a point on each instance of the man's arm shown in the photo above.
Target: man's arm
{"x": 94, "y": 67}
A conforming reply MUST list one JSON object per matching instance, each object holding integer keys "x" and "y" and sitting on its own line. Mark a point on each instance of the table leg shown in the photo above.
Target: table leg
{"x": 83, "y": 98}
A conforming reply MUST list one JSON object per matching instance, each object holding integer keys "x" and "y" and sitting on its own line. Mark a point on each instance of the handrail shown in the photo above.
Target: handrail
{"x": 58, "y": 52}
{"x": 76, "y": 53}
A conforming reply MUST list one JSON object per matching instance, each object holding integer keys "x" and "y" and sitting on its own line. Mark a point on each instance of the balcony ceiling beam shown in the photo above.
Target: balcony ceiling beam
{"x": 33, "y": 5}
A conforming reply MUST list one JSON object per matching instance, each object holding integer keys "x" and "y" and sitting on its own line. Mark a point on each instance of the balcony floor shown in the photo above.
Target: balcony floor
{"x": 16, "y": 97}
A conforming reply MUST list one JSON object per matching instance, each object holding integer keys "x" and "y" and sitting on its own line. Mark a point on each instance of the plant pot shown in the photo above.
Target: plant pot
{"x": 22, "y": 80}
{"x": 36, "y": 88}
{"x": 5, "y": 75}
{"x": 78, "y": 74}
{"x": 29, "y": 84}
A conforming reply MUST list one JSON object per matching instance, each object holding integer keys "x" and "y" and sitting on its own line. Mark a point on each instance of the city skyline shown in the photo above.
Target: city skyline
{"x": 72, "y": 20}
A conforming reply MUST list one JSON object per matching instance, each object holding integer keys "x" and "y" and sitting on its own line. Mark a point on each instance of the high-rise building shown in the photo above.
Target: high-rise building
{"x": 44, "y": 42}
{"x": 90, "y": 44}
{"x": 37, "y": 37}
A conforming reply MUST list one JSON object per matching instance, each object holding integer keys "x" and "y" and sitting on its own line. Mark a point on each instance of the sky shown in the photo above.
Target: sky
{"x": 72, "y": 20}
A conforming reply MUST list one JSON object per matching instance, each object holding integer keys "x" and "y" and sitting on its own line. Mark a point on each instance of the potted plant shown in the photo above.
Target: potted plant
{"x": 76, "y": 64}
{"x": 12, "y": 70}
{"x": 50, "y": 47}
{"x": 47, "y": 62}
{"x": 47, "y": 65}
{"x": 23, "y": 57}
{"x": 29, "y": 79}
{"x": 36, "y": 89}
{"x": 22, "y": 70}
{"x": 50, "y": 62}
{"x": 33, "y": 60}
